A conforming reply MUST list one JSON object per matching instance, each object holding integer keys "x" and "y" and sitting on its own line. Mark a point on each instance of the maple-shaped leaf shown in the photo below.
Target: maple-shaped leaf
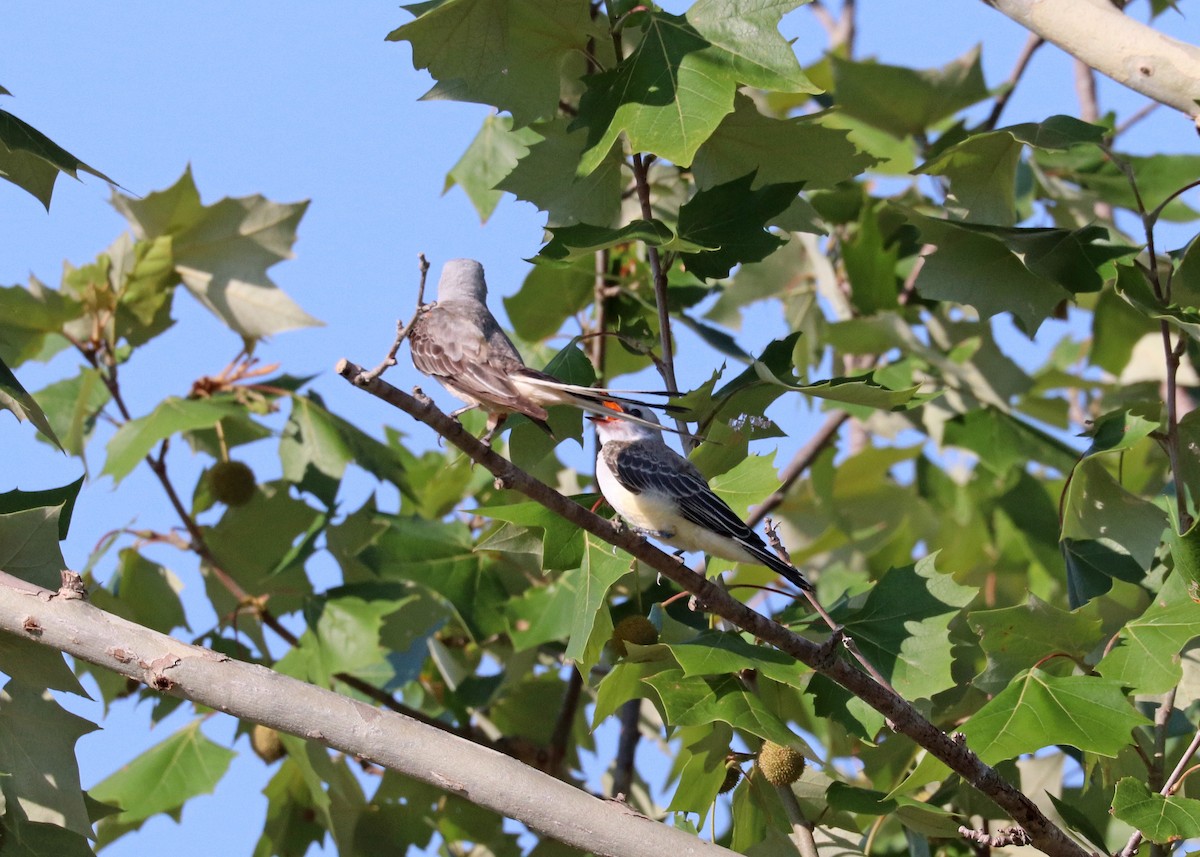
{"x": 32, "y": 161}
{"x": 508, "y": 54}
{"x": 1015, "y": 638}
{"x": 748, "y": 31}
{"x": 799, "y": 149}
{"x": 731, "y": 218}
{"x": 222, "y": 252}
{"x": 1146, "y": 658}
{"x": 496, "y": 149}
{"x": 901, "y": 627}
{"x": 904, "y": 101}
{"x": 547, "y": 178}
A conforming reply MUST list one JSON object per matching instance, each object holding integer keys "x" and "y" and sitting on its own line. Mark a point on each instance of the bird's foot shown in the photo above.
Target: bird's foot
{"x": 665, "y": 535}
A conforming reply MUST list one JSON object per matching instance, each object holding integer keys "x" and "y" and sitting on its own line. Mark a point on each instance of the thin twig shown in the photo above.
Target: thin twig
{"x": 802, "y": 828}
{"x": 402, "y": 331}
{"x": 900, "y": 714}
{"x": 1135, "y": 117}
{"x": 566, "y": 720}
{"x": 1031, "y": 45}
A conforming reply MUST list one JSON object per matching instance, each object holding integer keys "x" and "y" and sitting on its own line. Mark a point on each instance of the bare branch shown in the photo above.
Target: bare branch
{"x": 1128, "y": 51}
{"x": 1031, "y": 45}
{"x": 403, "y": 331}
{"x": 260, "y": 695}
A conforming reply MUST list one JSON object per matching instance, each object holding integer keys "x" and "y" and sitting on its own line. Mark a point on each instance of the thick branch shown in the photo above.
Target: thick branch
{"x": 899, "y": 712}
{"x": 255, "y": 693}
{"x": 1116, "y": 45}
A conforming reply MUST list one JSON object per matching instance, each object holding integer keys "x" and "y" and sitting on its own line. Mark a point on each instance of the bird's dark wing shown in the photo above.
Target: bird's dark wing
{"x": 641, "y": 467}
{"x": 469, "y": 353}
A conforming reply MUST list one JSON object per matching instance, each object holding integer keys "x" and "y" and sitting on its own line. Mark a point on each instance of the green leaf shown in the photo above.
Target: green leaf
{"x": 667, "y": 96}
{"x": 1004, "y": 441}
{"x": 496, "y": 149}
{"x": 144, "y": 592}
{"x": 982, "y": 169}
{"x": 37, "y": 666}
{"x": 1117, "y": 326}
{"x": 730, "y": 220}
{"x": 562, "y": 541}
{"x": 161, "y": 780}
{"x": 1037, "y": 710}
{"x": 1120, "y": 430}
{"x": 63, "y": 498}
{"x": 507, "y": 54}
{"x": 32, "y": 161}
{"x": 800, "y": 150}
{"x": 716, "y": 653}
{"x": 222, "y": 252}
{"x": 29, "y": 546}
{"x": 1097, "y": 507}
{"x": 27, "y": 316}
{"x": 72, "y": 407}
{"x": 700, "y": 700}
{"x": 583, "y": 239}
{"x": 1092, "y": 565}
{"x": 905, "y": 101}
{"x": 1164, "y": 820}
{"x": 1158, "y": 176}
{"x": 134, "y": 440}
{"x": 23, "y": 406}
{"x": 1016, "y": 638}
{"x": 591, "y": 626}
{"x": 748, "y": 31}
{"x": 344, "y": 637}
{"x": 1146, "y": 658}
{"x": 37, "y": 755}
{"x": 546, "y": 176}
{"x": 548, "y": 297}
{"x": 901, "y": 627}
{"x": 871, "y": 266}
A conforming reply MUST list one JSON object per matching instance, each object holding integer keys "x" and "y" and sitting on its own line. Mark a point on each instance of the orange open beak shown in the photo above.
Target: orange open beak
{"x": 611, "y": 406}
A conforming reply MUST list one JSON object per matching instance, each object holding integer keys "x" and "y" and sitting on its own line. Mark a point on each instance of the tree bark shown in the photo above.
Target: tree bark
{"x": 252, "y": 692}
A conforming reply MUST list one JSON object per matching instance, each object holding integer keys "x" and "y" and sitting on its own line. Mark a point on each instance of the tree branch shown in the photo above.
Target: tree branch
{"x": 1129, "y": 52}
{"x": 255, "y": 693}
{"x": 904, "y": 718}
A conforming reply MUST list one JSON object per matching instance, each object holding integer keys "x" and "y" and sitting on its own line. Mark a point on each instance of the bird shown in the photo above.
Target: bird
{"x": 662, "y": 495}
{"x": 458, "y": 341}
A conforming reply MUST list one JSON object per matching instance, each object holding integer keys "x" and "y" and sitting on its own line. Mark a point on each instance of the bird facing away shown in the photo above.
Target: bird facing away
{"x": 661, "y": 494}
{"x": 458, "y": 342}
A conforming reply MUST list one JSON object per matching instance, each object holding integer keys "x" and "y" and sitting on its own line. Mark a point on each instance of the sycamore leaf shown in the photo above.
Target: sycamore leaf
{"x": 1097, "y": 507}
{"x": 23, "y": 406}
{"x": 748, "y": 31}
{"x": 905, "y": 101}
{"x": 982, "y": 169}
{"x": 37, "y": 755}
{"x": 667, "y": 96}
{"x": 901, "y": 627}
{"x": 699, "y": 700}
{"x": 546, "y": 176}
{"x": 1146, "y": 658}
{"x": 492, "y": 155}
{"x": 583, "y": 239}
{"x": 72, "y": 407}
{"x": 1164, "y": 820}
{"x": 548, "y": 297}
{"x": 161, "y": 780}
{"x": 591, "y": 626}
{"x": 1015, "y": 638}
{"x": 1120, "y": 430}
{"x": 32, "y": 161}
{"x": 222, "y": 252}
{"x": 562, "y": 541}
{"x": 730, "y": 220}
{"x": 777, "y": 151}
{"x": 507, "y": 54}
{"x": 134, "y": 440}
{"x": 1037, "y": 710}
{"x": 716, "y": 653}
{"x": 29, "y": 545}
{"x": 28, "y": 315}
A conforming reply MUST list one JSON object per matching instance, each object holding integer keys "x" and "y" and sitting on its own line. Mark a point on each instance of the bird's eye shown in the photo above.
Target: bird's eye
{"x": 635, "y": 412}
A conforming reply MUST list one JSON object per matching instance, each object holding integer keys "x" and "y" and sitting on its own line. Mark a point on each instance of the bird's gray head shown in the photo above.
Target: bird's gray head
{"x": 462, "y": 280}
{"x": 615, "y": 427}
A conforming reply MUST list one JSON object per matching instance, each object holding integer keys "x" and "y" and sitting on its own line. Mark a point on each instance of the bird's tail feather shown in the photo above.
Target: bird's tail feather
{"x": 776, "y": 564}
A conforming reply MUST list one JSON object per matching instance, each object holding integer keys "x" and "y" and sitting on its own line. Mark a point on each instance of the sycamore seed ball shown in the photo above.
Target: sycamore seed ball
{"x": 633, "y": 629}
{"x": 733, "y": 775}
{"x": 781, "y": 765}
{"x": 266, "y": 744}
{"x": 231, "y": 483}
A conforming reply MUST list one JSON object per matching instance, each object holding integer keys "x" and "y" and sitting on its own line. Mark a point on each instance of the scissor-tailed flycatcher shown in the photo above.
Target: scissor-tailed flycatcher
{"x": 662, "y": 495}
{"x": 458, "y": 342}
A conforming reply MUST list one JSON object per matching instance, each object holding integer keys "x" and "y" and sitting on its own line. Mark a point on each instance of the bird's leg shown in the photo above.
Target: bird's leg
{"x": 463, "y": 410}
{"x": 493, "y": 425}
{"x": 665, "y": 535}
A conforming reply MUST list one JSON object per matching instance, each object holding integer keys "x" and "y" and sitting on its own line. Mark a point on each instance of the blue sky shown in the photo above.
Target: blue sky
{"x": 305, "y": 100}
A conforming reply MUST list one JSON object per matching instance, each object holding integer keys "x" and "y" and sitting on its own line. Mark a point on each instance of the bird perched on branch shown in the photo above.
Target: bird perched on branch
{"x": 662, "y": 495}
{"x": 458, "y": 342}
